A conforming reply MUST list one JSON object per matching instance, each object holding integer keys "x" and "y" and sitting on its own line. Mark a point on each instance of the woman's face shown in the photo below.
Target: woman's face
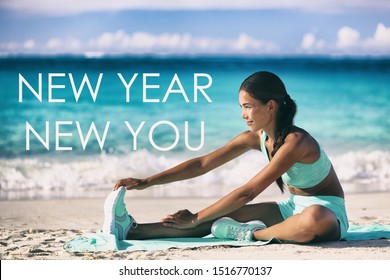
{"x": 257, "y": 115}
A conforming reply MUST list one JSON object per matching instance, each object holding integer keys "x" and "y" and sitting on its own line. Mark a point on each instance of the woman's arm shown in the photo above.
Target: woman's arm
{"x": 196, "y": 166}
{"x": 288, "y": 154}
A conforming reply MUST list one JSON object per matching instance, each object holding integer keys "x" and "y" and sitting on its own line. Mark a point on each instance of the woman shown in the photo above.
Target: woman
{"x": 314, "y": 212}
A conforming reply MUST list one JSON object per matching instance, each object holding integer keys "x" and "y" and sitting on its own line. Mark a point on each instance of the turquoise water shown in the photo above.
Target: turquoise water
{"x": 344, "y": 103}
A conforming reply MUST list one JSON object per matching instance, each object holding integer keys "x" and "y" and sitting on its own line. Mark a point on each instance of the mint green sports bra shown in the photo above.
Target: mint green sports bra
{"x": 303, "y": 175}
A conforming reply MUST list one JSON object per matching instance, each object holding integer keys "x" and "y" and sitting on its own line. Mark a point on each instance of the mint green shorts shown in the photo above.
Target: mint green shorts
{"x": 297, "y": 203}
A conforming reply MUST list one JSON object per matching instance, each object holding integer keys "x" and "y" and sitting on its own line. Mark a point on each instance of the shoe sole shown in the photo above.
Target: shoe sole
{"x": 109, "y": 210}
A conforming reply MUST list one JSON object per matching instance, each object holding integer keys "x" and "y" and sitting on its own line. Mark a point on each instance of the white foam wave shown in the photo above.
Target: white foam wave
{"x": 363, "y": 170}
{"x": 95, "y": 175}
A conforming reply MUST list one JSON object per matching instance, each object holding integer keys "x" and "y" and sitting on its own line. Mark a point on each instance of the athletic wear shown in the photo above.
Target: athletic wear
{"x": 303, "y": 175}
{"x": 297, "y": 203}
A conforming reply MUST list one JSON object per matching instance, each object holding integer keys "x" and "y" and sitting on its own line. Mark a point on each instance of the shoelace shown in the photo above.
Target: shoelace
{"x": 237, "y": 233}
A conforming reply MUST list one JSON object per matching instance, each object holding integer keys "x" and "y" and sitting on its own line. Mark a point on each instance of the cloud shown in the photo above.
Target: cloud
{"x": 381, "y": 38}
{"x": 120, "y": 42}
{"x": 175, "y": 43}
{"x": 350, "y": 42}
{"x": 29, "y": 44}
{"x": 347, "y": 37}
{"x": 60, "y": 7}
{"x": 311, "y": 44}
{"x": 54, "y": 44}
{"x": 141, "y": 42}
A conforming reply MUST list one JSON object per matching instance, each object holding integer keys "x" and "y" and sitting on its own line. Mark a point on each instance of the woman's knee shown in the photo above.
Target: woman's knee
{"x": 319, "y": 223}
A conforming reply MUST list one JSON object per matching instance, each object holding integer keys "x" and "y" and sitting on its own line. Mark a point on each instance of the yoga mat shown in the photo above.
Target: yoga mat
{"x": 102, "y": 242}
{"x": 369, "y": 232}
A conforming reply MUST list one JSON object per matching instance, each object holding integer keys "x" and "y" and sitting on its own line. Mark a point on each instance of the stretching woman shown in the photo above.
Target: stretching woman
{"x": 314, "y": 212}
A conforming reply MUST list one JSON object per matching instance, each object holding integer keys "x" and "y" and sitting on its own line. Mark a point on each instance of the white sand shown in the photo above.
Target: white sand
{"x": 39, "y": 229}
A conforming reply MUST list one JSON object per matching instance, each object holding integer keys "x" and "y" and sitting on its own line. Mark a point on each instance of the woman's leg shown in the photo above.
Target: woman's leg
{"x": 267, "y": 212}
{"x": 158, "y": 230}
{"x": 315, "y": 223}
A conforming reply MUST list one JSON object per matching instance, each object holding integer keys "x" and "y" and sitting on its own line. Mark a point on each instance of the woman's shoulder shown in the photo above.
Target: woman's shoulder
{"x": 298, "y": 135}
{"x": 302, "y": 141}
{"x": 248, "y": 139}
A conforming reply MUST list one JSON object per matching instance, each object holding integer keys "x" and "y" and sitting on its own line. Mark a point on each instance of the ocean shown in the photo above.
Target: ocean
{"x": 72, "y": 126}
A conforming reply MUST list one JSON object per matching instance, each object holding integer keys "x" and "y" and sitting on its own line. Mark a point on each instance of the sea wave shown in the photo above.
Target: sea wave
{"x": 94, "y": 176}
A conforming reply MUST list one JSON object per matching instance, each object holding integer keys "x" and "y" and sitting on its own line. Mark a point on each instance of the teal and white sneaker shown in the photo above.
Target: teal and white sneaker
{"x": 227, "y": 228}
{"x": 116, "y": 219}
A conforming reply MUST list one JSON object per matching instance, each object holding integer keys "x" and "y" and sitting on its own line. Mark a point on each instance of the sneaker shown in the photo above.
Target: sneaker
{"x": 227, "y": 228}
{"x": 116, "y": 219}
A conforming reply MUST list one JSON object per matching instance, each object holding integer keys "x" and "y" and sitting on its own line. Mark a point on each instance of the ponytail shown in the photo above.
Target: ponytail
{"x": 284, "y": 122}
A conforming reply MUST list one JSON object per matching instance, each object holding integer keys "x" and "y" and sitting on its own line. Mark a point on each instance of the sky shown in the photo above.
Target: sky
{"x": 216, "y": 27}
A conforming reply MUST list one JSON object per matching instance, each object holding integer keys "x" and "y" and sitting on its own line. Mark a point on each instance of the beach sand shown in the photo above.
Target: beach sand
{"x": 39, "y": 229}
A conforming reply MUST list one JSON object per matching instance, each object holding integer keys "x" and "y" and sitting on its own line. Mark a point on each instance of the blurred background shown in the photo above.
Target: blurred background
{"x": 333, "y": 57}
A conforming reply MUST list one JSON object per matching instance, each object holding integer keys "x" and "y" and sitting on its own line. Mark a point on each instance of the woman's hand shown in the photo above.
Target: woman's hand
{"x": 131, "y": 184}
{"x": 182, "y": 219}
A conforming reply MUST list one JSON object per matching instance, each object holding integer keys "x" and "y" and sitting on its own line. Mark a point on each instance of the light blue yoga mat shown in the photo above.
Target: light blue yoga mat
{"x": 101, "y": 242}
{"x": 369, "y": 232}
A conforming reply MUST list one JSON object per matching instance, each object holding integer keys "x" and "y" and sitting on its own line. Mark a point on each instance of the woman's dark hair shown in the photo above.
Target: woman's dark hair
{"x": 265, "y": 86}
